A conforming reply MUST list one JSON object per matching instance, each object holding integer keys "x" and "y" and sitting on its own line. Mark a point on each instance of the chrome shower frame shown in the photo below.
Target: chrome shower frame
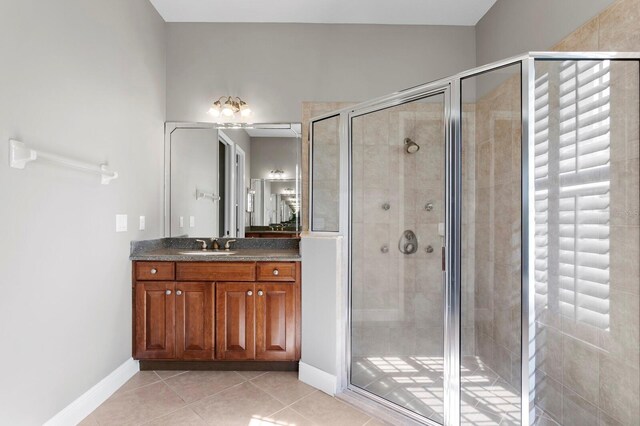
{"x": 451, "y": 87}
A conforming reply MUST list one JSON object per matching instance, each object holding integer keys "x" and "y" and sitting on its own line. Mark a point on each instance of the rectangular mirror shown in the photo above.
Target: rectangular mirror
{"x": 232, "y": 181}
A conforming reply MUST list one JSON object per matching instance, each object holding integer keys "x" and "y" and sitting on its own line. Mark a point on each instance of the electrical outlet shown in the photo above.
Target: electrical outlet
{"x": 121, "y": 223}
{"x": 143, "y": 223}
{"x": 192, "y": 221}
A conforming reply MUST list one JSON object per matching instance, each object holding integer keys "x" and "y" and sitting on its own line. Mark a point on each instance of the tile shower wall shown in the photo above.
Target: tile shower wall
{"x": 311, "y": 110}
{"x": 397, "y": 298}
{"x": 326, "y": 174}
{"x": 496, "y": 215}
{"x": 588, "y": 365}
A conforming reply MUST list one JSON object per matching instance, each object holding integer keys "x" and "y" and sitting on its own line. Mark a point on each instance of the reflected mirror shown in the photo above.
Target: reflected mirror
{"x": 240, "y": 181}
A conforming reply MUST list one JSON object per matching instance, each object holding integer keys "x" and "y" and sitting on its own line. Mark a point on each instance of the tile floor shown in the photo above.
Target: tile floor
{"x": 223, "y": 398}
{"x": 416, "y": 383}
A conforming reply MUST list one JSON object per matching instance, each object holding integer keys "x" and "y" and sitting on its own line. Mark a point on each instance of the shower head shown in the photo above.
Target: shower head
{"x": 410, "y": 146}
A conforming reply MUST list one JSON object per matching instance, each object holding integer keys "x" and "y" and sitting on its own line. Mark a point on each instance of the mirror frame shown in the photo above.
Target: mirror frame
{"x": 171, "y": 126}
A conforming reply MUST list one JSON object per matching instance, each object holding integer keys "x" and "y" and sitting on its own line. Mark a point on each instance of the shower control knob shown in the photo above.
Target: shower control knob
{"x": 409, "y": 248}
{"x": 384, "y": 249}
{"x": 386, "y": 206}
{"x": 429, "y": 249}
{"x": 428, "y": 207}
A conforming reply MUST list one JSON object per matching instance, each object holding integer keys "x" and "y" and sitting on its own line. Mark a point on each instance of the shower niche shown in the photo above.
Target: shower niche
{"x": 490, "y": 221}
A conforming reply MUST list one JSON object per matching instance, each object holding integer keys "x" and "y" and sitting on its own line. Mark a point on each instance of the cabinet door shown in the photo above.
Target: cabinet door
{"x": 194, "y": 321}
{"x": 235, "y": 303}
{"x": 155, "y": 320}
{"x": 275, "y": 322}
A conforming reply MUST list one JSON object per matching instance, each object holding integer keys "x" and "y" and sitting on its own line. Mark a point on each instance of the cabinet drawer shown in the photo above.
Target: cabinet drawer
{"x": 218, "y": 271}
{"x": 276, "y": 271}
{"x": 155, "y": 271}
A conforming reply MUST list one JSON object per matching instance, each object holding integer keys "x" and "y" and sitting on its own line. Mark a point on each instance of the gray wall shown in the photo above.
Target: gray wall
{"x": 321, "y": 259}
{"x": 512, "y": 27}
{"x": 83, "y": 78}
{"x": 194, "y": 164}
{"x": 274, "y": 153}
{"x": 243, "y": 140}
{"x": 275, "y": 67}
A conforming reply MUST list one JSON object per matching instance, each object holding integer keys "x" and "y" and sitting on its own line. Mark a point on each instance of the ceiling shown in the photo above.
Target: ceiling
{"x": 401, "y": 12}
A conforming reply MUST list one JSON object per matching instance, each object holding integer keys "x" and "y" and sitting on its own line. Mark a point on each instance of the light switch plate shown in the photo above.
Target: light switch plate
{"x": 192, "y": 221}
{"x": 121, "y": 223}
{"x": 181, "y": 221}
{"x": 143, "y": 223}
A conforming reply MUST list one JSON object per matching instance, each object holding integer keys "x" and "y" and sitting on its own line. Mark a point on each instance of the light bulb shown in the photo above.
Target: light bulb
{"x": 227, "y": 111}
{"x": 215, "y": 109}
{"x": 245, "y": 111}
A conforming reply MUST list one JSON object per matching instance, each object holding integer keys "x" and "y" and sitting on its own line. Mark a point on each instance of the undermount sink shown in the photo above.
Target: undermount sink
{"x": 207, "y": 253}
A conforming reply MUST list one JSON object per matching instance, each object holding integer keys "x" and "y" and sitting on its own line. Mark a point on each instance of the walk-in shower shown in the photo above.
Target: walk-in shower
{"x": 492, "y": 275}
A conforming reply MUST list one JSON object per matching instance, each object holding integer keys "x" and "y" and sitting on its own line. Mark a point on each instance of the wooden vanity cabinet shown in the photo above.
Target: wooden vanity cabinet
{"x": 256, "y": 321}
{"x": 194, "y": 321}
{"x": 174, "y": 320}
{"x": 255, "y": 317}
{"x": 275, "y": 322}
{"x": 155, "y": 320}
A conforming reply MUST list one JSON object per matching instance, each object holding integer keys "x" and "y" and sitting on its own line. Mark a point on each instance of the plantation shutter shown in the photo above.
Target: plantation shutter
{"x": 572, "y": 190}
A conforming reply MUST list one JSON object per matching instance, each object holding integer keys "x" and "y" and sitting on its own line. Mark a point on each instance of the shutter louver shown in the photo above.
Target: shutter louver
{"x": 572, "y": 191}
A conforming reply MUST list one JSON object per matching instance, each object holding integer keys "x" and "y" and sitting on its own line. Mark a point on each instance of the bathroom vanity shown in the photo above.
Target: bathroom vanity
{"x": 195, "y": 308}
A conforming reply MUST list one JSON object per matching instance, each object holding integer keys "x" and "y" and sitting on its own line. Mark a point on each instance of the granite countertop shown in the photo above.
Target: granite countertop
{"x": 188, "y": 250}
{"x": 272, "y": 232}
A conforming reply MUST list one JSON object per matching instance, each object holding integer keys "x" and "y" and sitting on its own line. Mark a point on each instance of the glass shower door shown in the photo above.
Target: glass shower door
{"x": 397, "y": 230}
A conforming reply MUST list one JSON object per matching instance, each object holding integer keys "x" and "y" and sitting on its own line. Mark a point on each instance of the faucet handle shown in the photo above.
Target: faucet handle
{"x": 214, "y": 244}
{"x": 227, "y": 244}
{"x": 204, "y": 244}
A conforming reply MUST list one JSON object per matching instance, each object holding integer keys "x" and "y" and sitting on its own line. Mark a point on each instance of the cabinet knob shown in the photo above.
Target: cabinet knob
{"x": 276, "y": 272}
{"x": 260, "y": 292}
{"x": 178, "y": 292}
{"x": 168, "y": 292}
{"x": 249, "y": 293}
{"x": 154, "y": 271}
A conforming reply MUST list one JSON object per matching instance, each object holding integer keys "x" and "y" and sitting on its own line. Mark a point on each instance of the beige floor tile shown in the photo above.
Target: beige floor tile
{"x": 286, "y": 417}
{"x": 138, "y": 406}
{"x": 283, "y": 386}
{"x": 237, "y": 406}
{"x": 196, "y": 385}
{"x": 165, "y": 374}
{"x": 89, "y": 421}
{"x": 375, "y": 422}
{"x": 251, "y": 374}
{"x": 326, "y": 410}
{"x": 183, "y": 417}
{"x": 141, "y": 378}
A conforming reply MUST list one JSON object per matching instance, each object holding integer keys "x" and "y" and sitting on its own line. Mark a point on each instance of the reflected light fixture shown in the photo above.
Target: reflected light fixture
{"x": 276, "y": 174}
{"x": 230, "y": 107}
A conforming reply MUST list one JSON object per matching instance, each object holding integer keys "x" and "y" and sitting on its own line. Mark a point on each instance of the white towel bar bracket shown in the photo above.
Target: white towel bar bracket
{"x": 20, "y": 155}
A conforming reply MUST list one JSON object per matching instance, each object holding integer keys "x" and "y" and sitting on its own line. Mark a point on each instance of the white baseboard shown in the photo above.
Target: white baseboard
{"x": 317, "y": 378}
{"x": 86, "y": 403}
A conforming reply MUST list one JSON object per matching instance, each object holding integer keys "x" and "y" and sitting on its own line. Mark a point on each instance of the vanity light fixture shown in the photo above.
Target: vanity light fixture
{"x": 276, "y": 174}
{"x": 230, "y": 107}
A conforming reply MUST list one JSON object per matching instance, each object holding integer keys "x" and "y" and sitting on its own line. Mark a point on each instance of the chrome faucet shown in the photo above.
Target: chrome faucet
{"x": 227, "y": 244}
{"x": 214, "y": 244}
{"x": 204, "y": 244}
